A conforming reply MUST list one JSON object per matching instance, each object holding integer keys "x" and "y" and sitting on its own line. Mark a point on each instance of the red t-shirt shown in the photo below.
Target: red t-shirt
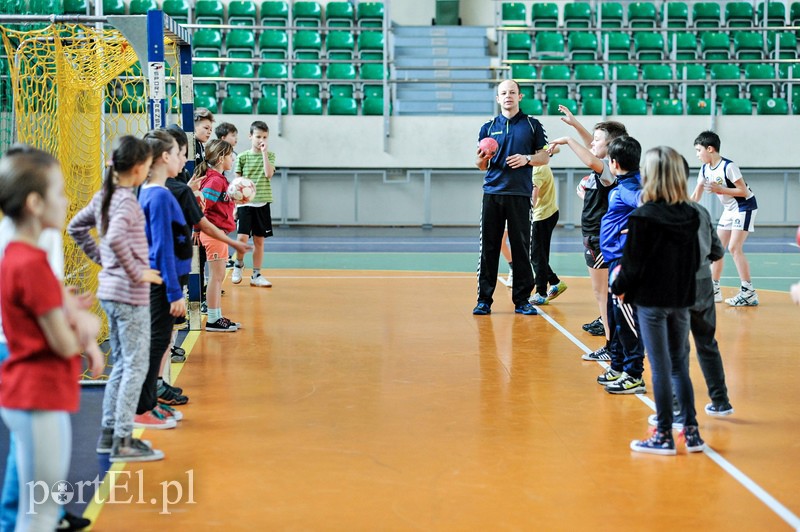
{"x": 219, "y": 206}
{"x": 34, "y": 377}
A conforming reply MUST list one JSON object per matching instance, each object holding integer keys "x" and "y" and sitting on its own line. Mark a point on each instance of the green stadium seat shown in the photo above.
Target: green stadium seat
{"x": 714, "y": 45}
{"x": 796, "y": 107}
{"x": 307, "y": 105}
{"x": 209, "y": 102}
{"x": 625, "y": 73}
{"x": 693, "y": 72}
{"x": 341, "y": 72}
{"x": 240, "y": 43}
{"x": 531, "y": 107}
{"x": 274, "y": 13}
{"x": 269, "y": 106}
{"x": 370, "y": 45}
{"x": 569, "y": 103}
{"x": 521, "y": 71}
{"x": 737, "y": 106}
{"x": 550, "y": 45}
{"x": 594, "y": 106}
{"x": 794, "y": 19}
{"x": 205, "y": 69}
{"x": 373, "y": 91}
{"x": 273, "y": 44}
{"x": 611, "y": 15}
{"x": 618, "y": 45}
{"x": 307, "y": 71}
{"x": 582, "y": 46}
{"x": 667, "y": 106}
{"x": 556, "y": 73}
{"x": 273, "y": 73}
{"x": 631, "y": 106}
{"x": 370, "y": 14}
{"x": 698, "y": 106}
{"x": 340, "y": 45}
{"x": 371, "y": 71}
{"x": 207, "y": 42}
{"x": 759, "y": 71}
{"x": 642, "y": 15}
{"x": 513, "y": 14}
{"x": 177, "y": 9}
{"x": 686, "y": 44}
{"x": 342, "y": 106}
{"x": 544, "y": 15}
{"x": 787, "y": 42}
{"x": 589, "y": 73}
{"x": 242, "y": 13}
{"x": 209, "y": 12}
{"x": 339, "y": 14}
{"x": 528, "y": 91}
{"x": 748, "y": 45}
{"x": 240, "y": 70}
{"x": 677, "y": 14}
{"x": 652, "y": 73}
{"x": 648, "y": 46}
{"x": 739, "y": 14}
{"x": 705, "y": 15}
{"x": 137, "y": 7}
{"x": 772, "y": 106}
{"x": 237, "y": 105}
{"x": 307, "y": 14}
{"x": 75, "y": 7}
{"x": 776, "y": 13}
{"x": 577, "y": 15}
{"x": 372, "y": 105}
{"x": 113, "y": 7}
{"x": 518, "y": 46}
{"x": 725, "y": 72}
{"x": 307, "y": 44}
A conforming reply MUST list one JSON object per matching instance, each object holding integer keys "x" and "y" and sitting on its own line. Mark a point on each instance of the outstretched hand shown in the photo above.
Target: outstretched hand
{"x": 568, "y": 117}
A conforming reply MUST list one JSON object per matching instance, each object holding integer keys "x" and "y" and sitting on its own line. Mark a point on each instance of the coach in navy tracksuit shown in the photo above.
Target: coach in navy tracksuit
{"x": 507, "y": 191}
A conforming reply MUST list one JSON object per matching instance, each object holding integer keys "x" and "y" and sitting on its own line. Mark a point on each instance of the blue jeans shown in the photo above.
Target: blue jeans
{"x": 665, "y": 333}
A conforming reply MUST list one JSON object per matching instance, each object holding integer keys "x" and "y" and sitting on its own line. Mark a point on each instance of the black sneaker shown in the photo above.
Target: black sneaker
{"x": 175, "y": 389}
{"x": 526, "y": 309}
{"x": 596, "y": 356}
{"x": 72, "y": 522}
{"x": 105, "y": 441}
{"x": 167, "y": 396}
{"x": 482, "y": 309}
{"x": 203, "y": 308}
{"x": 719, "y": 409}
{"x": 626, "y": 384}
{"x": 597, "y": 330}
{"x": 659, "y": 443}
{"x": 591, "y": 324}
{"x": 221, "y": 325}
{"x": 610, "y": 376}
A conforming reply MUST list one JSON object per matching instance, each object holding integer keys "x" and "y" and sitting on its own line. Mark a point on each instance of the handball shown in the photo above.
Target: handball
{"x": 241, "y": 190}
{"x": 488, "y": 145}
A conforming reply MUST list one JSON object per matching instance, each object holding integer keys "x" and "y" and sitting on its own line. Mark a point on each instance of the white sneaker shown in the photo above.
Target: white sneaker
{"x": 236, "y": 276}
{"x": 260, "y": 281}
{"x": 745, "y": 298}
{"x": 508, "y": 281}
{"x": 717, "y": 295}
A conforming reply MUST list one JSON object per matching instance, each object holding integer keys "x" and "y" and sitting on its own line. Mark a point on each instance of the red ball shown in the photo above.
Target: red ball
{"x": 488, "y": 145}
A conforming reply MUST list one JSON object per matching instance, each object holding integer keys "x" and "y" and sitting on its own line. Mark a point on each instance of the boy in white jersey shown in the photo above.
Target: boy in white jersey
{"x": 722, "y": 177}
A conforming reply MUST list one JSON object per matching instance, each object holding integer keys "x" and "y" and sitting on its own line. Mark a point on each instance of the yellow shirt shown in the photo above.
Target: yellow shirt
{"x": 546, "y": 200}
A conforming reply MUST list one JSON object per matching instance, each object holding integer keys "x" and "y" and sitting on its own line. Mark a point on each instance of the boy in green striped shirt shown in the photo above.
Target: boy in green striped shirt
{"x": 254, "y": 218}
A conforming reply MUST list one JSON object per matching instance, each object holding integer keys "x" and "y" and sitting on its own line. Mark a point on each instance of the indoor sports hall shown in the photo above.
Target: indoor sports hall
{"x": 360, "y": 392}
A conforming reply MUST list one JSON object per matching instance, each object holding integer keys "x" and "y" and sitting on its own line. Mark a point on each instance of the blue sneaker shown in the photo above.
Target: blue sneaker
{"x": 659, "y": 443}
{"x": 536, "y": 299}
{"x": 482, "y": 309}
{"x": 694, "y": 443}
{"x": 527, "y": 309}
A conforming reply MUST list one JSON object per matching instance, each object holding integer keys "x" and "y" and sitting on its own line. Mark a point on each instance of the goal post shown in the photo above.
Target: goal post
{"x": 73, "y": 85}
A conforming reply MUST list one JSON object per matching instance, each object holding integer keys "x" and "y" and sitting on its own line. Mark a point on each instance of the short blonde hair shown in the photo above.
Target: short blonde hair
{"x": 664, "y": 176}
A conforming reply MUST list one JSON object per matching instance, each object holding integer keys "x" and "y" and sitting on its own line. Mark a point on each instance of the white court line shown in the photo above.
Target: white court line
{"x": 771, "y": 502}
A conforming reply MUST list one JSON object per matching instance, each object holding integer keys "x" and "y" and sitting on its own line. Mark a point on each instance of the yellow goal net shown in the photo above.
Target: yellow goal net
{"x": 74, "y": 89}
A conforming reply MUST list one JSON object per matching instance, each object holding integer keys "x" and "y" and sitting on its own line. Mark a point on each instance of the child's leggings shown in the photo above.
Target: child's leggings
{"x": 44, "y": 446}
{"x": 129, "y": 336}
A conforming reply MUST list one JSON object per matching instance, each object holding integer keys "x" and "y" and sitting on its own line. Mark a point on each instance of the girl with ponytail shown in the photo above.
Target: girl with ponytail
{"x": 124, "y": 292}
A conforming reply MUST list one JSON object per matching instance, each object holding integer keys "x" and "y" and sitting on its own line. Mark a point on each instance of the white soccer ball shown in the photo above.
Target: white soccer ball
{"x": 241, "y": 190}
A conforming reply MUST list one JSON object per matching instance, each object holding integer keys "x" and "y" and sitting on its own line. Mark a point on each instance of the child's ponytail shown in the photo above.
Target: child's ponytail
{"x": 130, "y": 152}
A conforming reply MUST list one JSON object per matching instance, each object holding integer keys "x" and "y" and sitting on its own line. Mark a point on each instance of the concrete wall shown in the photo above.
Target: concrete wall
{"x": 449, "y": 142}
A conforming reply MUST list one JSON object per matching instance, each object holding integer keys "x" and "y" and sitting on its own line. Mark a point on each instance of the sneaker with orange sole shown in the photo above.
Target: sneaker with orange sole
{"x": 153, "y": 420}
